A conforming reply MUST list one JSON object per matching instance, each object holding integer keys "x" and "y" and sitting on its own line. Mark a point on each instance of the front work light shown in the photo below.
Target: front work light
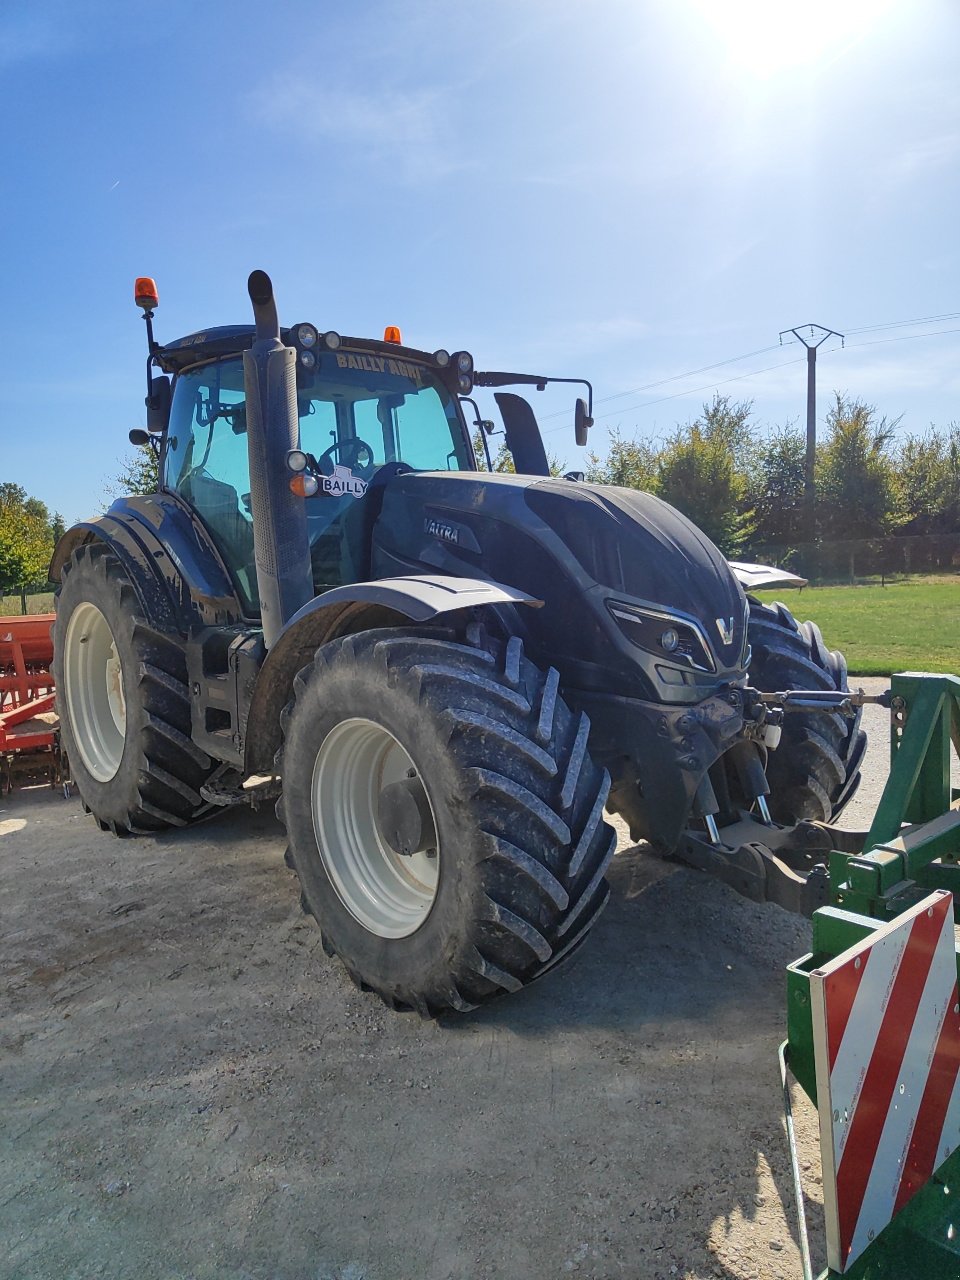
{"x": 296, "y": 460}
{"x": 442, "y": 358}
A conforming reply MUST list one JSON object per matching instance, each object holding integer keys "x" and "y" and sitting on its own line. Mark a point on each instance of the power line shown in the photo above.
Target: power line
{"x": 692, "y": 391}
{"x": 690, "y": 373}
{"x": 679, "y": 395}
{"x": 905, "y": 337}
{"x": 903, "y": 324}
{"x": 649, "y": 386}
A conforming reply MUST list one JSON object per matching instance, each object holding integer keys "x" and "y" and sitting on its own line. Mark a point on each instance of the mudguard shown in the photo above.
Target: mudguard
{"x": 170, "y": 559}
{"x": 762, "y": 577}
{"x": 388, "y": 602}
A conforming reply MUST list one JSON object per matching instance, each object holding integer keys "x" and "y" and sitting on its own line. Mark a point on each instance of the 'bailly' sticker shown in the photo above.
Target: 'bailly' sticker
{"x": 342, "y": 482}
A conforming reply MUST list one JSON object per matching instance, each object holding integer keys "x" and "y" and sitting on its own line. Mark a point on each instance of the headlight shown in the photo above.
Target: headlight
{"x": 308, "y": 360}
{"x": 307, "y": 335}
{"x": 296, "y": 460}
{"x": 659, "y": 633}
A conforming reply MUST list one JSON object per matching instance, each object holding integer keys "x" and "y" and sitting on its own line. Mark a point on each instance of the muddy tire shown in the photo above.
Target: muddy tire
{"x": 123, "y": 702}
{"x": 815, "y": 770}
{"x": 443, "y": 816}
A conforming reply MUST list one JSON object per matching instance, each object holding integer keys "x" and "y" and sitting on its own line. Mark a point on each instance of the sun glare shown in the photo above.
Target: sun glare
{"x": 769, "y": 37}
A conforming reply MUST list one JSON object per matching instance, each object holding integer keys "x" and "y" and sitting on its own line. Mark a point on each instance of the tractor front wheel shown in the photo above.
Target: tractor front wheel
{"x": 815, "y": 770}
{"x": 443, "y": 814}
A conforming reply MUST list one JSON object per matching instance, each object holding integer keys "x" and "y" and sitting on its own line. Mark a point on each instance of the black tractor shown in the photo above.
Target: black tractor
{"x": 444, "y": 675}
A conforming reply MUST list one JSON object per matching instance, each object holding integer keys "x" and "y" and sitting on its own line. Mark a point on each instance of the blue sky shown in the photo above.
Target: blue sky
{"x": 622, "y": 191}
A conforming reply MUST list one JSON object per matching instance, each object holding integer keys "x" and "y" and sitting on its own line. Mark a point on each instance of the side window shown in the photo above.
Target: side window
{"x": 206, "y": 462}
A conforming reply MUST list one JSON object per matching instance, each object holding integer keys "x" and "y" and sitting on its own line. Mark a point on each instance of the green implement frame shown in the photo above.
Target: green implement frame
{"x": 913, "y": 848}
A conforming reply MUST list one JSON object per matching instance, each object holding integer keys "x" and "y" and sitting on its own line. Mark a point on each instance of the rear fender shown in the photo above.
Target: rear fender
{"x": 389, "y": 602}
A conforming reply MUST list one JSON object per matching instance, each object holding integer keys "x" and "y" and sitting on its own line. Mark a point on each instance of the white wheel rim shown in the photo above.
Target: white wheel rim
{"x": 389, "y": 894}
{"x": 95, "y": 701}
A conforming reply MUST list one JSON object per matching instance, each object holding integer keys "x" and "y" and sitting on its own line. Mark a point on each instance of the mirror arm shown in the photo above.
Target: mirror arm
{"x": 533, "y": 380}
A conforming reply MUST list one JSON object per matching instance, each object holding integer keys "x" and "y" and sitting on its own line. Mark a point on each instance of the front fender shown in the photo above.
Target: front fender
{"x": 761, "y": 577}
{"x": 387, "y": 602}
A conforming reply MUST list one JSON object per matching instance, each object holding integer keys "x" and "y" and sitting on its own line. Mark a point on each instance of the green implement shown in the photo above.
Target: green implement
{"x": 873, "y": 1016}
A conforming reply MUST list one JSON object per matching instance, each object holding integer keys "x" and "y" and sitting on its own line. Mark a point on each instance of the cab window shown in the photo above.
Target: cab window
{"x": 357, "y": 412}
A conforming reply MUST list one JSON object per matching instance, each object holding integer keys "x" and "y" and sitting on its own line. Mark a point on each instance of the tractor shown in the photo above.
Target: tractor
{"x": 443, "y": 675}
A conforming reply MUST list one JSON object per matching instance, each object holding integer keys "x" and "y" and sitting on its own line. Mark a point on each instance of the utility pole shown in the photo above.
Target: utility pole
{"x": 815, "y": 336}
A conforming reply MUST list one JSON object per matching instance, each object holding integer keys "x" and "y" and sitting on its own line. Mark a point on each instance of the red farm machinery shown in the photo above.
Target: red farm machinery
{"x": 29, "y": 732}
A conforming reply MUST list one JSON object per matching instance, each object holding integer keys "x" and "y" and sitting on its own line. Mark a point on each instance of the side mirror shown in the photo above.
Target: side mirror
{"x": 158, "y": 405}
{"x": 139, "y": 436}
{"x": 582, "y": 422}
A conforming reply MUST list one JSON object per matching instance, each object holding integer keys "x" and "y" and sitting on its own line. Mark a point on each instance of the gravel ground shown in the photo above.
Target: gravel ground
{"x": 189, "y": 1088}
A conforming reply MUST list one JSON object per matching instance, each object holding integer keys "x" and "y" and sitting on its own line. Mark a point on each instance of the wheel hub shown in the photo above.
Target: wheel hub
{"x": 94, "y": 696}
{"x": 375, "y": 828}
{"x": 404, "y": 817}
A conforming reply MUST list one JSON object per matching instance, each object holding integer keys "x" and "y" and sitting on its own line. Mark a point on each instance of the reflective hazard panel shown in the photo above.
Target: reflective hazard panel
{"x": 886, "y": 1026}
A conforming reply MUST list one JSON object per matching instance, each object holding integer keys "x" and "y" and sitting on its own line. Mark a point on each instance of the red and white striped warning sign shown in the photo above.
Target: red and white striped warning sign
{"x": 886, "y": 1025}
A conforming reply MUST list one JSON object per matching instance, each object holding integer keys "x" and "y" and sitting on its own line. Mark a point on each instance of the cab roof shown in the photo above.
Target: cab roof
{"x": 232, "y": 339}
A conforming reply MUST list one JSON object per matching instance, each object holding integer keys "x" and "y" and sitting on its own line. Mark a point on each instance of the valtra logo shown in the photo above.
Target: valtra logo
{"x": 725, "y": 627}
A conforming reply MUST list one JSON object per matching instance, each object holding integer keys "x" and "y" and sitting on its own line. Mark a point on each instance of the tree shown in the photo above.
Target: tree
{"x": 697, "y": 475}
{"x": 929, "y": 470}
{"x": 730, "y": 425}
{"x": 858, "y": 490}
{"x": 631, "y": 463}
{"x": 139, "y": 473}
{"x": 503, "y": 458}
{"x": 26, "y": 541}
{"x": 777, "y": 487}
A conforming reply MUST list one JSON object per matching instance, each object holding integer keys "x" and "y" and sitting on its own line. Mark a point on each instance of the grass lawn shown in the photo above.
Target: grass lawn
{"x": 42, "y": 603}
{"x": 912, "y": 625}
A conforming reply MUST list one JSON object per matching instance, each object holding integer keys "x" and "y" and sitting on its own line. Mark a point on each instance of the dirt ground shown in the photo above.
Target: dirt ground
{"x": 190, "y": 1089}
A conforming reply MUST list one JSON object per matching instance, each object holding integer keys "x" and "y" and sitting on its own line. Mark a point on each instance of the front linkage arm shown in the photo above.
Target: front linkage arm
{"x": 761, "y": 859}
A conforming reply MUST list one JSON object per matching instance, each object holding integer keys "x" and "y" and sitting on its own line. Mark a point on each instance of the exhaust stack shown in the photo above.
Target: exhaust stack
{"x": 281, "y": 548}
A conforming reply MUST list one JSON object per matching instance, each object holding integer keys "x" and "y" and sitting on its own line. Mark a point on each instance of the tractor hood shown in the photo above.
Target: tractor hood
{"x": 630, "y": 586}
{"x": 636, "y": 544}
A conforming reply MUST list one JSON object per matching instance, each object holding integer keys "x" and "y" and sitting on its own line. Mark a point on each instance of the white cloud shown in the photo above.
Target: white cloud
{"x": 409, "y": 129}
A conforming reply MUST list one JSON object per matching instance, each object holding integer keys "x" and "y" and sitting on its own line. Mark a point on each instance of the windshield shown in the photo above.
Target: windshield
{"x": 358, "y": 412}
{"x": 399, "y": 409}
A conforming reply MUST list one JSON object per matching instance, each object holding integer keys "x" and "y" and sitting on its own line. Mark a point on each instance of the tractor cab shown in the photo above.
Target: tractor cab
{"x": 366, "y": 410}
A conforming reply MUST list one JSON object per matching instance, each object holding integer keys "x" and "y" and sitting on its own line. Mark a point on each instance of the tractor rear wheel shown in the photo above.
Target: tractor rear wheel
{"x": 815, "y": 770}
{"x": 123, "y": 702}
{"x": 443, "y": 814}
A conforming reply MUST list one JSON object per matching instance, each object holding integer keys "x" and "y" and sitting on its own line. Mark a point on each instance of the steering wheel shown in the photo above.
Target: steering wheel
{"x": 350, "y": 452}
